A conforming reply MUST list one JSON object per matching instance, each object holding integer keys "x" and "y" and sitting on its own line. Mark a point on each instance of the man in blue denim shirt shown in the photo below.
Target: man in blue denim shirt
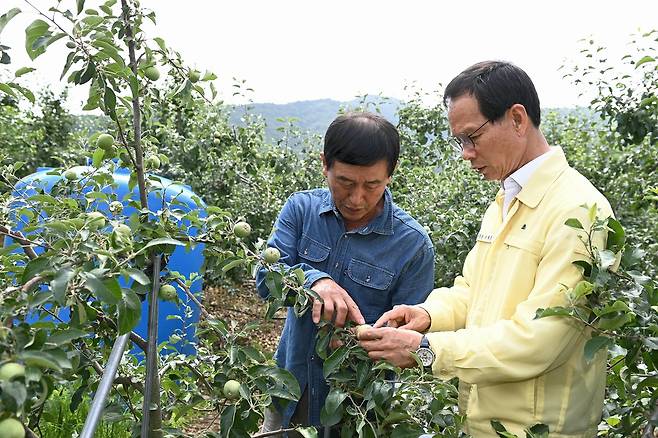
{"x": 360, "y": 252}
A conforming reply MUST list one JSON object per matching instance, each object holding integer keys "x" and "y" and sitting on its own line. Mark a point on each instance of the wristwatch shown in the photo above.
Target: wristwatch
{"x": 425, "y": 353}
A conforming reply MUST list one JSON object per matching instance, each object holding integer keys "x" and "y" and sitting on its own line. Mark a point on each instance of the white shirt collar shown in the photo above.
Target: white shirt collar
{"x": 513, "y": 184}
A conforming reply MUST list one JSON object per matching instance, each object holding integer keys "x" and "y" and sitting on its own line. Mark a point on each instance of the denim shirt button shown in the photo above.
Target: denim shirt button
{"x": 306, "y": 251}
{"x": 368, "y": 279}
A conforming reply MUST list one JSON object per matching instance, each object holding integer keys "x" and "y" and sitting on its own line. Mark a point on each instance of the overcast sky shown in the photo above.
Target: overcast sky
{"x": 290, "y": 50}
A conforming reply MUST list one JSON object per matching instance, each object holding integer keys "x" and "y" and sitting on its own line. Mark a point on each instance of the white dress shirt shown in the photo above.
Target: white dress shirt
{"x": 513, "y": 184}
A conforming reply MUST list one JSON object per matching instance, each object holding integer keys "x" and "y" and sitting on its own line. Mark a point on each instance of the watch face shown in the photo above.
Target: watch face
{"x": 426, "y": 356}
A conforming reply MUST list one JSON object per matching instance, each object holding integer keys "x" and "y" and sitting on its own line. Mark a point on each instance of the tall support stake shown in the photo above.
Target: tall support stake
{"x": 104, "y": 387}
{"x": 152, "y": 380}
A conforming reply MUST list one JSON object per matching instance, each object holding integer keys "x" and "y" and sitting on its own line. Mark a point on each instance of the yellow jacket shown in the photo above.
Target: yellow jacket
{"x": 511, "y": 366}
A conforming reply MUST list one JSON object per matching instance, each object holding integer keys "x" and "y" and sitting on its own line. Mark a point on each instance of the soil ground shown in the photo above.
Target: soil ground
{"x": 239, "y": 305}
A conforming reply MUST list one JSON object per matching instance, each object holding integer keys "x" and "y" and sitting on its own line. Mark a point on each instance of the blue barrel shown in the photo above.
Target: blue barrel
{"x": 174, "y": 319}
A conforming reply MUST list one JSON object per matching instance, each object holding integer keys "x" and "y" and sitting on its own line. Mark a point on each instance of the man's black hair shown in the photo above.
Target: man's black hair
{"x": 496, "y": 85}
{"x": 362, "y": 139}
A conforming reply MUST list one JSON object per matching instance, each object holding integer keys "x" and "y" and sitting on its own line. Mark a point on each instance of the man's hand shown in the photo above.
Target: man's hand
{"x": 391, "y": 344}
{"x": 405, "y": 317}
{"x": 336, "y": 304}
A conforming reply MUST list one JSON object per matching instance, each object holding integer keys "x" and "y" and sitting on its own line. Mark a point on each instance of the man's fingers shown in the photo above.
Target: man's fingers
{"x": 353, "y": 312}
{"x": 317, "y": 311}
{"x": 341, "y": 313}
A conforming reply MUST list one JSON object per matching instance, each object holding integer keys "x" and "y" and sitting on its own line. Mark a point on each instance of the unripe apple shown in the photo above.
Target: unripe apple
{"x": 242, "y": 229}
{"x": 11, "y": 370}
{"x": 105, "y": 141}
{"x": 116, "y": 207}
{"x": 232, "y": 389}
{"x": 153, "y": 162}
{"x": 168, "y": 292}
{"x": 11, "y": 428}
{"x": 152, "y": 73}
{"x": 271, "y": 255}
{"x": 360, "y": 328}
{"x": 121, "y": 236}
{"x": 70, "y": 175}
{"x": 194, "y": 76}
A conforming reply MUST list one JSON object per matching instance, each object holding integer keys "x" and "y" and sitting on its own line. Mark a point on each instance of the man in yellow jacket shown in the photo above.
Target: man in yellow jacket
{"x": 512, "y": 367}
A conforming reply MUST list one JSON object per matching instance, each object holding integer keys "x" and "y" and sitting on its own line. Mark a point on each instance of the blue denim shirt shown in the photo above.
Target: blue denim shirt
{"x": 386, "y": 262}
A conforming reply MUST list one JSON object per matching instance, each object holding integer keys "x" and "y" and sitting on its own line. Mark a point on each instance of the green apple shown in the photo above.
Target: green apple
{"x": 70, "y": 175}
{"x": 271, "y": 255}
{"x": 11, "y": 428}
{"x": 168, "y": 292}
{"x": 116, "y": 207}
{"x": 232, "y": 389}
{"x": 152, "y": 73}
{"x": 242, "y": 229}
{"x": 105, "y": 141}
{"x": 194, "y": 76}
{"x": 11, "y": 371}
{"x": 121, "y": 236}
{"x": 153, "y": 162}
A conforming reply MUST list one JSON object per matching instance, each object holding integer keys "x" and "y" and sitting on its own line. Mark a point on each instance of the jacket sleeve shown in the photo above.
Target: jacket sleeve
{"x": 521, "y": 347}
{"x": 285, "y": 237}
{"x": 417, "y": 278}
{"x": 448, "y": 307}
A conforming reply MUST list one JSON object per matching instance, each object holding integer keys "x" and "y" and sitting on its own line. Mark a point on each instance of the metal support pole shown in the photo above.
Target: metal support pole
{"x": 104, "y": 387}
{"x": 152, "y": 350}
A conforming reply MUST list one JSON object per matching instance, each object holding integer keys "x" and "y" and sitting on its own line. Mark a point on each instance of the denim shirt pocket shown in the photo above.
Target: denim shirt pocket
{"x": 312, "y": 250}
{"x": 369, "y": 275}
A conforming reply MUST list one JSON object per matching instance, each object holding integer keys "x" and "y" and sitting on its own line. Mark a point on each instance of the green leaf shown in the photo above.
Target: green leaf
{"x": 500, "y": 430}
{"x": 232, "y": 264}
{"x": 7, "y": 89}
{"x": 552, "y": 311}
{"x": 110, "y": 102}
{"x": 594, "y": 345}
{"x": 335, "y": 360}
{"x": 574, "y": 223}
{"x": 226, "y": 421}
{"x": 6, "y": 17}
{"x": 23, "y": 71}
{"x": 332, "y": 412}
{"x": 130, "y": 311}
{"x": 616, "y": 236}
{"x": 64, "y": 337}
{"x": 583, "y": 288}
{"x": 537, "y": 431}
{"x": 34, "y": 268}
{"x": 97, "y": 158}
{"x": 80, "y": 5}
{"x": 60, "y": 283}
{"x": 160, "y": 241}
{"x": 35, "y": 35}
{"x": 608, "y": 258}
{"x": 644, "y": 60}
{"x": 24, "y": 91}
{"x": 137, "y": 275}
{"x": 108, "y": 291}
{"x": 40, "y": 359}
{"x": 307, "y": 432}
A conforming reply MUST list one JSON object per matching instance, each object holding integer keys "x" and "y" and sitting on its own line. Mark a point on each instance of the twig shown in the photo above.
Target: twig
{"x": 26, "y": 244}
{"x": 273, "y": 433}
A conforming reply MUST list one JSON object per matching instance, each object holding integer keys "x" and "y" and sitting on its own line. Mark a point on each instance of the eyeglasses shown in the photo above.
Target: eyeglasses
{"x": 461, "y": 141}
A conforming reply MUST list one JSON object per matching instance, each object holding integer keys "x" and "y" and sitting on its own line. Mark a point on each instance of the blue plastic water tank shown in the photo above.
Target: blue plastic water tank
{"x": 172, "y": 319}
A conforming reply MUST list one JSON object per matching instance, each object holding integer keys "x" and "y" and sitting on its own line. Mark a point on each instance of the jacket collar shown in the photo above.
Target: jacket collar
{"x": 543, "y": 177}
{"x": 381, "y": 224}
